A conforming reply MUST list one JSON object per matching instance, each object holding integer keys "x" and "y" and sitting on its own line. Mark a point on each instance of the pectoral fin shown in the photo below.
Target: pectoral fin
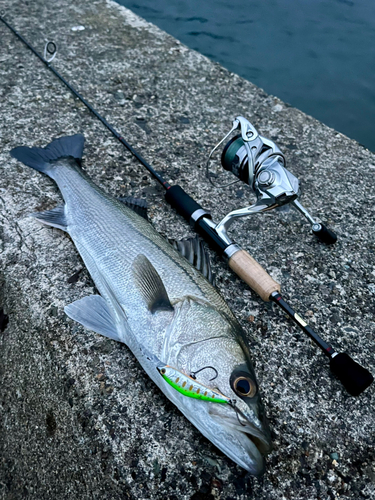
{"x": 94, "y": 313}
{"x": 150, "y": 285}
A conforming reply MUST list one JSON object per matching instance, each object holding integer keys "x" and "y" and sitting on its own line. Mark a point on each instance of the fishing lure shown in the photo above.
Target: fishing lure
{"x": 190, "y": 387}
{"x": 186, "y": 384}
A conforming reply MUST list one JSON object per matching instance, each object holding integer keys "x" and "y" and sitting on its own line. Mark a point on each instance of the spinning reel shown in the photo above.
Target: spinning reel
{"x": 259, "y": 163}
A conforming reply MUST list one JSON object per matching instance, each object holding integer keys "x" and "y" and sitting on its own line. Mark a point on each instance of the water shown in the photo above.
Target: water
{"x": 318, "y": 55}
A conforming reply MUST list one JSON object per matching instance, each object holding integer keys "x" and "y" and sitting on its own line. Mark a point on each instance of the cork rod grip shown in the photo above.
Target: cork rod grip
{"x": 253, "y": 274}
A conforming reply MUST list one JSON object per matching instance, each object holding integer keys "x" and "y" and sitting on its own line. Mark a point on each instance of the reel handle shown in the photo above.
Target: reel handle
{"x": 324, "y": 234}
{"x": 253, "y": 274}
{"x": 352, "y": 375}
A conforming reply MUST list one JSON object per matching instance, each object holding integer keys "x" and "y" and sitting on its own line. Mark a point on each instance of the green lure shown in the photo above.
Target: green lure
{"x": 189, "y": 387}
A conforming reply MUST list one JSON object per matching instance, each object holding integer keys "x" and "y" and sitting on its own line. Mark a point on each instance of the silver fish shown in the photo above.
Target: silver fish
{"x": 151, "y": 296}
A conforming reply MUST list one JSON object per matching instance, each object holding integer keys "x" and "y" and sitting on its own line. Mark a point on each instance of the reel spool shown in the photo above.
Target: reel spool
{"x": 259, "y": 163}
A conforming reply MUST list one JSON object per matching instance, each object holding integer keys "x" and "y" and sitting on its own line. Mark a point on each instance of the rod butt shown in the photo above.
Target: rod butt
{"x": 353, "y": 376}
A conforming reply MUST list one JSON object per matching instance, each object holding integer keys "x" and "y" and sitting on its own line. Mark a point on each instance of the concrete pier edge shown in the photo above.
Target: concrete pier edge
{"x": 79, "y": 417}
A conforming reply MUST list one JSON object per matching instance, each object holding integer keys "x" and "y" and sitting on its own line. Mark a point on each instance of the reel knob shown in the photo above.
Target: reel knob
{"x": 324, "y": 234}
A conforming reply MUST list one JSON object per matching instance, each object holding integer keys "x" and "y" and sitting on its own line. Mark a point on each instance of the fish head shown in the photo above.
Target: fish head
{"x": 244, "y": 417}
{"x": 217, "y": 353}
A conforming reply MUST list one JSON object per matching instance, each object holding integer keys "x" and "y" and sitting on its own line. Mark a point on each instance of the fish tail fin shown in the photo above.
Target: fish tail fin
{"x": 41, "y": 158}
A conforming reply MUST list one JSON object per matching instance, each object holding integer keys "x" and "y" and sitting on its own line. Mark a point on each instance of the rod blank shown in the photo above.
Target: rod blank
{"x": 132, "y": 151}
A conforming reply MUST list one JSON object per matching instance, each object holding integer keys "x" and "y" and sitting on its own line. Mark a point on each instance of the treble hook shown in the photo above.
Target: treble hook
{"x": 51, "y": 49}
{"x": 193, "y": 374}
{"x": 232, "y": 403}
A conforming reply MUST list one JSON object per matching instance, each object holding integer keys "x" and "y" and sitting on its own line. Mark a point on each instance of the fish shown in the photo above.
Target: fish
{"x": 152, "y": 299}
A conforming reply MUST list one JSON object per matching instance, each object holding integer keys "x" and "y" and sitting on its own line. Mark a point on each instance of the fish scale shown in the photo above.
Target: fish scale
{"x": 118, "y": 230}
{"x": 111, "y": 238}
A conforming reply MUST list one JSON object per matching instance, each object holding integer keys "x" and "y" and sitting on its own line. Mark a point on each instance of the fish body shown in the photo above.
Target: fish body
{"x": 151, "y": 296}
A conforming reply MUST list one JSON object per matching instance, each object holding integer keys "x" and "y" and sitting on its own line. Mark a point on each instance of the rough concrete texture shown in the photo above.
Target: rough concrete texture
{"x": 80, "y": 419}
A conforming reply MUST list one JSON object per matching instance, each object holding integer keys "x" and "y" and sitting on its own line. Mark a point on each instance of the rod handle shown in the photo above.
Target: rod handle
{"x": 324, "y": 234}
{"x": 353, "y": 376}
{"x": 253, "y": 274}
{"x": 184, "y": 204}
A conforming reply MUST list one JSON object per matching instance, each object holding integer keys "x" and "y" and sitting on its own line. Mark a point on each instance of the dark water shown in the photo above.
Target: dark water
{"x": 318, "y": 55}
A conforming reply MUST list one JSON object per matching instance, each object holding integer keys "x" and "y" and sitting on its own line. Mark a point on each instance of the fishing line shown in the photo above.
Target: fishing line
{"x": 353, "y": 376}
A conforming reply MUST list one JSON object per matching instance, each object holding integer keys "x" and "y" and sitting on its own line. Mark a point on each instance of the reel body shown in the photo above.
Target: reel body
{"x": 259, "y": 163}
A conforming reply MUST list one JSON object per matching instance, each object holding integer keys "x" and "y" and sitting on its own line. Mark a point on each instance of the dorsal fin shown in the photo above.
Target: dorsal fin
{"x": 194, "y": 251}
{"x": 191, "y": 248}
{"x": 138, "y": 205}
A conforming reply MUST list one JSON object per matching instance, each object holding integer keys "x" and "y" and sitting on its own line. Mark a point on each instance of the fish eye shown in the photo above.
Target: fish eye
{"x": 245, "y": 387}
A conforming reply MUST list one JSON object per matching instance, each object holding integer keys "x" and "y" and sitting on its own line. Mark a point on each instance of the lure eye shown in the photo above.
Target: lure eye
{"x": 163, "y": 371}
{"x": 245, "y": 387}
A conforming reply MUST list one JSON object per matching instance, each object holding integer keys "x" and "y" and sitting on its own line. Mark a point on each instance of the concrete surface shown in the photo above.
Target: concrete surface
{"x": 79, "y": 418}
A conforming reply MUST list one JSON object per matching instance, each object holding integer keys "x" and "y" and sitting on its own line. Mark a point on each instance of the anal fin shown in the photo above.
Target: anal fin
{"x": 93, "y": 313}
{"x": 55, "y": 217}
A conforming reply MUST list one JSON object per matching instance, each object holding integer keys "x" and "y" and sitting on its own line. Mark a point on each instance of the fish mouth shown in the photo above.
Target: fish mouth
{"x": 259, "y": 437}
{"x": 262, "y": 444}
{"x": 255, "y": 442}
{"x": 257, "y": 446}
{"x": 239, "y": 422}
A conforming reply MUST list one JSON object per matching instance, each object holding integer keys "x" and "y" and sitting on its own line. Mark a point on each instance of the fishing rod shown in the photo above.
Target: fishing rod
{"x": 353, "y": 376}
